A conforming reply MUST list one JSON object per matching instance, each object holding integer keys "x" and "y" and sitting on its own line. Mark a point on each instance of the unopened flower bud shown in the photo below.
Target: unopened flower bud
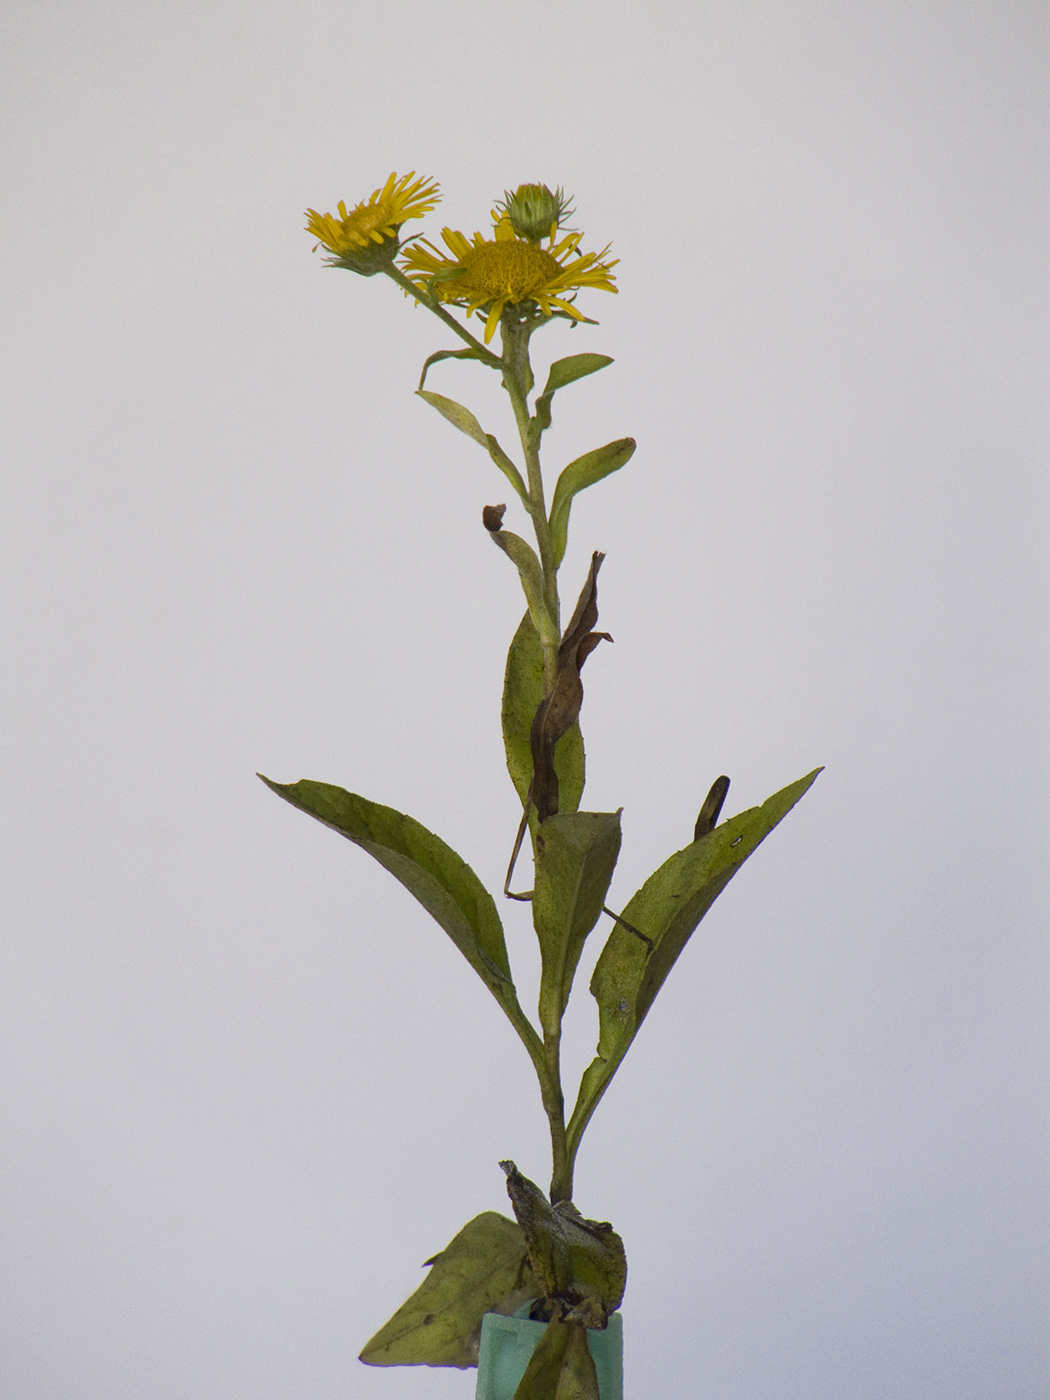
{"x": 534, "y": 212}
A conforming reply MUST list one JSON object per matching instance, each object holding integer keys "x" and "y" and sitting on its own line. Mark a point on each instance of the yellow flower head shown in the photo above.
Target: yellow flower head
{"x": 490, "y": 273}
{"x": 365, "y": 239}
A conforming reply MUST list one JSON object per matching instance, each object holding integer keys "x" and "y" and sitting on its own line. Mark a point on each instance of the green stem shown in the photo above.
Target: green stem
{"x": 561, "y": 1164}
{"x": 517, "y": 380}
{"x": 432, "y": 304}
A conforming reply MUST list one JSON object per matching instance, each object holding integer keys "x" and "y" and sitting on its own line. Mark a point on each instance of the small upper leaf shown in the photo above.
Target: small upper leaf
{"x": 484, "y": 1269}
{"x": 467, "y": 354}
{"x": 457, "y": 415}
{"x": 584, "y": 471}
{"x": 464, "y": 420}
{"x": 523, "y": 557}
{"x": 564, "y": 372}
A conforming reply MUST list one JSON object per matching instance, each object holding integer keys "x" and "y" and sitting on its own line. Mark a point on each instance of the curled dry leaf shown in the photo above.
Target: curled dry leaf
{"x": 559, "y": 710}
{"x": 711, "y": 810}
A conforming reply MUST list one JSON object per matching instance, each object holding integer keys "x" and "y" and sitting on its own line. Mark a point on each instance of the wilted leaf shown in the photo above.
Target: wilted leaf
{"x": 584, "y": 471}
{"x": 441, "y": 880}
{"x": 575, "y": 858}
{"x": 561, "y": 708}
{"x": 561, "y": 1367}
{"x": 573, "y": 1259}
{"x": 709, "y": 813}
{"x": 564, "y": 372}
{"x": 484, "y": 1269}
{"x": 522, "y": 694}
{"x": 667, "y": 908}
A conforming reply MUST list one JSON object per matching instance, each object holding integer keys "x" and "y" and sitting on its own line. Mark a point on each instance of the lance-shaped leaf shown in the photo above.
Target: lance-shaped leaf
{"x": 484, "y": 1269}
{"x": 575, "y": 858}
{"x": 576, "y": 1261}
{"x": 441, "y": 880}
{"x": 584, "y": 471}
{"x": 561, "y": 1367}
{"x": 561, "y": 708}
{"x": 522, "y": 695}
{"x": 464, "y": 420}
{"x": 564, "y": 372}
{"x": 524, "y": 559}
{"x": 467, "y": 354}
{"x": 668, "y": 907}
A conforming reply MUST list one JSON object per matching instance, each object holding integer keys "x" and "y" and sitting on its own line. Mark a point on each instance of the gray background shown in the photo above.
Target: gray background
{"x": 247, "y": 1086}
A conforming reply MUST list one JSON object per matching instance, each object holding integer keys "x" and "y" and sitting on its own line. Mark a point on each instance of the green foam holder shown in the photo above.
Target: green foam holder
{"x": 507, "y": 1343}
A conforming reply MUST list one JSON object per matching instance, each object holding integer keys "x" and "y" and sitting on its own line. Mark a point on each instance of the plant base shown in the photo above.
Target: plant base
{"x": 507, "y": 1343}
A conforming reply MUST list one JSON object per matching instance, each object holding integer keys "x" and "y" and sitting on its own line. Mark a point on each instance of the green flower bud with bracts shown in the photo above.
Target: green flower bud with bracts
{"x": 534, "y": 212}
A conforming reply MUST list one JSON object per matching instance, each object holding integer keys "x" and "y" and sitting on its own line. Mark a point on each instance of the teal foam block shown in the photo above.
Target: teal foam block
{"x": 507, "y": 1343}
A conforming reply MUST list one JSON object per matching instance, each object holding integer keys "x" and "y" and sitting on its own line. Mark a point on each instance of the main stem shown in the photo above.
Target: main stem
{"x": 518, "y": 381}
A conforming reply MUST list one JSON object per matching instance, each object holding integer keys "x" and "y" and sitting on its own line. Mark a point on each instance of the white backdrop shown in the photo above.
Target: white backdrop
{"x": 248, "y": 1087}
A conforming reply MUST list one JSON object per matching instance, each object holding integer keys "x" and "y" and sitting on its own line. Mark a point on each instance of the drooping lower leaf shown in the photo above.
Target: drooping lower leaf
{"x": 522, "y": 693}
{"x": 440, "y": 879}
{"x": 665, "y": 911}
{"x": 484, "y": 1269}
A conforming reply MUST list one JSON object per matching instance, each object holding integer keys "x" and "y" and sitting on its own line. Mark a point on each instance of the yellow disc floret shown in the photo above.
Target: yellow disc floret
{"x": 487, "y": 274}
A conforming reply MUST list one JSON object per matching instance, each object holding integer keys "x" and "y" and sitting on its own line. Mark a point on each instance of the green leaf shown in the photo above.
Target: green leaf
{"x": 441, "y": 880}
{"x": 464, "y": 420}
{"x": 575, "y": 857}
{"x": 668, "y": 907}
{"x": 457, "y": 415}
{"x": 522, "y": 693}
{"x": 524, "y": 559}
{"x": 573, "y": 1259}
{"x": 584, "y": 471}
{"x": 484, "y": 1269}
{"x": 466, "y": 354}
{"x": 561, "y": 1367}
{"x": 564, "y": 372}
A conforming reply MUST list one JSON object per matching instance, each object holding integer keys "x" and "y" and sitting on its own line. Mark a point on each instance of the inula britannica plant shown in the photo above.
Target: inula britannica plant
{"x": 528, "y": 272}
